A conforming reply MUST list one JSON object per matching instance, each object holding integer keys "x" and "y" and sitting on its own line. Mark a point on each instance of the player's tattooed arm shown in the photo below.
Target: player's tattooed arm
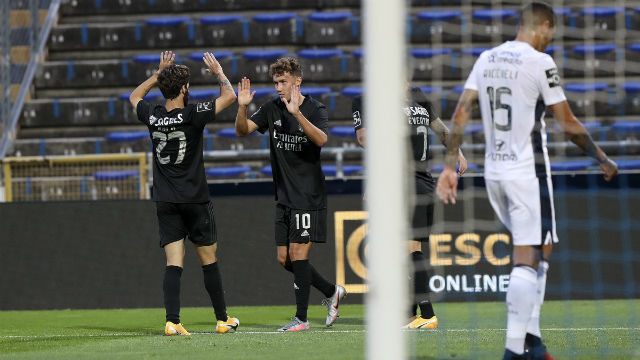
{"x": 466, "y": 104}
{"x": 442, "y": 132}
{"x": 166, "y": 59}
{"x": 227, "y": 95}
{"x": 581, "y": 137}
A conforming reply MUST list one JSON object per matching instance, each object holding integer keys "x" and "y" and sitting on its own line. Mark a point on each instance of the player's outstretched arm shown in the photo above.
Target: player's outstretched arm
{"x": 316, "y": 135}
{"x": 442, "y": 132}
{"x": 166, "y": 59}
{"x": 227, "y": 95}
{"x": 244, "y": 126}
{"x": 581, "y": 137}
{"x": 448, "y": 181}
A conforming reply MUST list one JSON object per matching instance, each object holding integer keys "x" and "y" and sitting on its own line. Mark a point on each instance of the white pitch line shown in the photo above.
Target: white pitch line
{"x": 320, "y": 331}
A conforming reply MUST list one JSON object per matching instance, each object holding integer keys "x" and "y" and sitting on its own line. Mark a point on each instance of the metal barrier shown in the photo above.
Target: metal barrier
{"x": 87, "y": 177}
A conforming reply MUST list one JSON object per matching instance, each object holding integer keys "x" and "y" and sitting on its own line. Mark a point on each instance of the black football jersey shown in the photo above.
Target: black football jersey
{"x": 178, "y": 167}
{"x": 418, "y": 113}
{"x": 295, "y": 159}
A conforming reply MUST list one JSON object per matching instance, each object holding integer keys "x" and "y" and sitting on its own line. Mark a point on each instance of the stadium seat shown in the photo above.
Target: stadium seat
{"x": 434, "y": 64}
{"x": 228, "y": 171}
{"x": 70, "y": 112}
{"x": 342, "y": 136}
{"x": 631, "y": 97}
{"x": 274, "y": 29}
{"x": 199, "y": 73}
{"x": 566, "y": 25}
{"x": 87, "y": 73}
{"x": 254, "y": 64}
{"x": 600, "y": 22}
{"x": 127, "y": 113}
{"x": 322, "y": 94}
{"x": 169, "y": 32}
{"x": 332, "y": 170}
{"x": 626, "y": 129}
{"x": 342, "y": 131}
{"x": 224, "y": 30}
{"x": 574, "y": 165}
{"x": 468, "y": 57}
{"x": 114, "y": 184}
{"x": 493, "y": 25}
{"x": 633, "y": 20}
{"x": 591, "y": 99}
{"x": 341, "y": 109}
{"x": 323, "y": 28}
{"x": 144, "y": 66}
{"x": 628, "y": 164}
{"x": 226, "y": 139}
{"x": 266, "y": 170}
{"x": 591, "y": 60}
{"x": 323, "y": 64}
{"x": 354, "y": 66}
{"x": 122, "y": 136}
{"x": 127, "y": 142}
{"x": 203, "y": 94}
{"x": 115, "y": 175}
{"x": 439, "y": 167}
{"x": 436, "y": 27}
{"x": 632, "y": 59}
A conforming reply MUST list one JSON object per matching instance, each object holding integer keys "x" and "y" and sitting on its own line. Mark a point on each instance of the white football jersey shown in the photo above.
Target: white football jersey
{"x": 515, "y": 84}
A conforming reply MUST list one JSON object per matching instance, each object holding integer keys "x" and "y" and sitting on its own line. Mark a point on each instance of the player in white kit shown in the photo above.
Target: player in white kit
{"x": 514, "y": 83}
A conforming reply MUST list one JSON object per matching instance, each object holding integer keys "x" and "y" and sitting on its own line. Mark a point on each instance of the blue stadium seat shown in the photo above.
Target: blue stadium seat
{"x": 473, "y": 129}
{"x": 274, "y": 29}
{"x": 266, "y": 170}
{"x": 228, "y": 171}
{"x": 170, "y": 32}
{"x": 354, "y": 66}
{"x": 126, "y": 142}
{"x": 600, "y": 22}
{"x": 574, "y": 165}
{"x": 342, "y": 131}
{"x": 439, "y": 167}
{"x": 323, "y": 28}
{"x": 114, "y": 175}
{"x": 204, "y": 95}
{"x": 432, "y": 64}
{"x": 436, "y": 27}
{"x": 224, "y": 30}
{"x": 631, "y": 97}
{"x": 591, "y": 60}
{"x": 341, "y": 108}
{"x": 199, "y": 73}
{"x": 97, "y": 36}
{"x": 254, "y": 64}
{"x": 151, "y": 96}
{"x": 632, "y": 58}
{"x": 332, "y": 170}
{"x": 121, "y": 136}
{"x": 634, "y": 19}
{"x": 323, "y": 64}
{"x": 628, "y": 164}
{"x": 591, "y": 99}
{"x": 626, "y": 127}
{"x": 143, "y": 66}
{"x": 490, "y": 24}
{"x": 566, "y": 25}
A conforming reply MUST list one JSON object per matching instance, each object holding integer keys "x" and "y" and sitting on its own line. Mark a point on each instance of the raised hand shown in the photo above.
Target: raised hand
{"x": 447, "y": 186}
{"x": 213, "y": 66}
{"x": 293, "y": 105}
{"x": 166, "y": 59}
{"x": 245, "y": 96}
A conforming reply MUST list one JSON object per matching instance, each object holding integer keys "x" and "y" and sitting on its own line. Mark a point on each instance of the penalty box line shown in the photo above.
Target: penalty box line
{"x": 312, "y": 331}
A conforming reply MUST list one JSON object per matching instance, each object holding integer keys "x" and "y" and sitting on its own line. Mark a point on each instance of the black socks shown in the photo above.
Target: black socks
{"x": 213, "y": 284}
{"x": 301, "y": 285}
{"x": 421, "y": 284}
{"x": 317, "y": 281}
{"x": 171, "y": 288}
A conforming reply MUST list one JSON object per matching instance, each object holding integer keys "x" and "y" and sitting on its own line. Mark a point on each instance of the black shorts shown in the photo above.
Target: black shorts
{"x": 300, "y": 226}
{"x": 178, "y": 221}
{"x": 423, "y": 210}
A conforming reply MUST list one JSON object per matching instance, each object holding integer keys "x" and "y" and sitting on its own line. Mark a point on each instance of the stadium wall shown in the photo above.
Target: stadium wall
{"x": 105, "y": 254}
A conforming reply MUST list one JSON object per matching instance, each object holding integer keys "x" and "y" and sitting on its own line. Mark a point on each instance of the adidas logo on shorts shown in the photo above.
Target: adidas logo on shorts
{"x": 305, "y": 233}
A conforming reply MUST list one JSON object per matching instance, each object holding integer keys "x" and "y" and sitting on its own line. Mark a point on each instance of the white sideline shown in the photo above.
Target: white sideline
{"x": 320, "y": 331}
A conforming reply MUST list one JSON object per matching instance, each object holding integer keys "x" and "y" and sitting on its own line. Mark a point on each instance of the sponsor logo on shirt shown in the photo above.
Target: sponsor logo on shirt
{"x": 289, "y": 142}
{"x": 277, "y": 122}
{"x": 204, "y": 106}
{"x": 552, "y": 77}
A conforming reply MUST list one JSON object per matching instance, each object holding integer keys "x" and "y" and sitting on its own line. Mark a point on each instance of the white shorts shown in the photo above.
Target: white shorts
{"x": 525, "y": 207}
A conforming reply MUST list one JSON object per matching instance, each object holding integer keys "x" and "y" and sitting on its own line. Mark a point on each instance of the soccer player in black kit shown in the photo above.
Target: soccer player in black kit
{"x": 419, "y": 115}
{"x": 179, "y": 184}
{"x": 297, "y": 127}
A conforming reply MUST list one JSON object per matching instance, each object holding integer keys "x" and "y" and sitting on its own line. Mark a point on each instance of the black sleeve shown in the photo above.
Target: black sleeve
{"x": 421, "y": 98}
{"x": 320, "y": 118}
{"x": 205, "y": 112}
{"x": 260, "y": 118}
{"x": 356, "y": 112}
{"x": 143, "y": 110}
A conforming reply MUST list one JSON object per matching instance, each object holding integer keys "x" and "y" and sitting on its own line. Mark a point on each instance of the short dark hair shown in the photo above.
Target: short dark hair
{"x": 171, "y": 79}
{"x": 536, "y": 13}
{"x": 286, "y": 64}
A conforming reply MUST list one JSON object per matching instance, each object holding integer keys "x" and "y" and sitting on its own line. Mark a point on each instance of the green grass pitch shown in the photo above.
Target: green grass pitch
{"x": 571, "y": 329}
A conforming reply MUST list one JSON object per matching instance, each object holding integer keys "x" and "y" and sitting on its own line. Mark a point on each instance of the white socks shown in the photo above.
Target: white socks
{"x": 521, "y": 299}
{"x": 533, "y": 327}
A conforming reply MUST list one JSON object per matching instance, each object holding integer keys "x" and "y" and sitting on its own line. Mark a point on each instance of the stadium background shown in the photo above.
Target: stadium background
{"x": 91, "y": 212}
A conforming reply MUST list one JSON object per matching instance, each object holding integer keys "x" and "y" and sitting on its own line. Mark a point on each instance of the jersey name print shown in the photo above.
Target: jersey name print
{"x": 515, "y": 83}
